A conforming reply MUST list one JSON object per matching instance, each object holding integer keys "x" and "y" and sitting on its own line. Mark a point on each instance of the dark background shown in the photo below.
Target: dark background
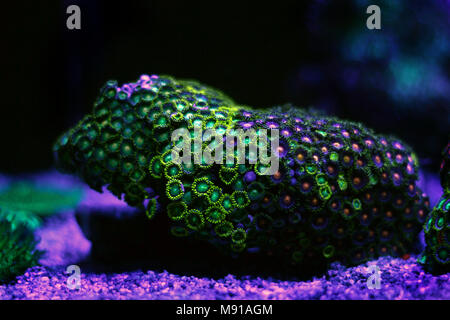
{"x": 259, "y": 54}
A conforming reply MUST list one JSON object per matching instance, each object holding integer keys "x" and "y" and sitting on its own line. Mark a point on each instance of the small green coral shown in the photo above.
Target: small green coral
{"x": 17, "y": 251}
{"x": 23, "y": 206}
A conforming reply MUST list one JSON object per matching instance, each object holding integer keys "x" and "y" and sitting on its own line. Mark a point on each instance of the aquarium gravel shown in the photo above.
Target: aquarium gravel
{"x": 399, "y": 279}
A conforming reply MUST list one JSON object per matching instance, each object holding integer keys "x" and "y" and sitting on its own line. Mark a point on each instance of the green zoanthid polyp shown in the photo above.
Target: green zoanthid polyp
{"x": 341, "y": 192}
{"x": 436, "y": 257}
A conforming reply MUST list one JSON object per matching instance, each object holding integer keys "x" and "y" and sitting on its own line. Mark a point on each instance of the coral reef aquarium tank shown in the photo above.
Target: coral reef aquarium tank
{"x": 180, "y": 151}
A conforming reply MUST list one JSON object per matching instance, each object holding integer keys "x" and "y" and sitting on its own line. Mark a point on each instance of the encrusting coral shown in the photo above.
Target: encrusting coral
{"x": 341, "y": 192}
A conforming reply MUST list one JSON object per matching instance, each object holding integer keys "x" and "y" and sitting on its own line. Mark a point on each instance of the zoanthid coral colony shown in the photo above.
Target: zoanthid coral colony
{"x": 436, "y": 258}
{"x": 341, "y": 192}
